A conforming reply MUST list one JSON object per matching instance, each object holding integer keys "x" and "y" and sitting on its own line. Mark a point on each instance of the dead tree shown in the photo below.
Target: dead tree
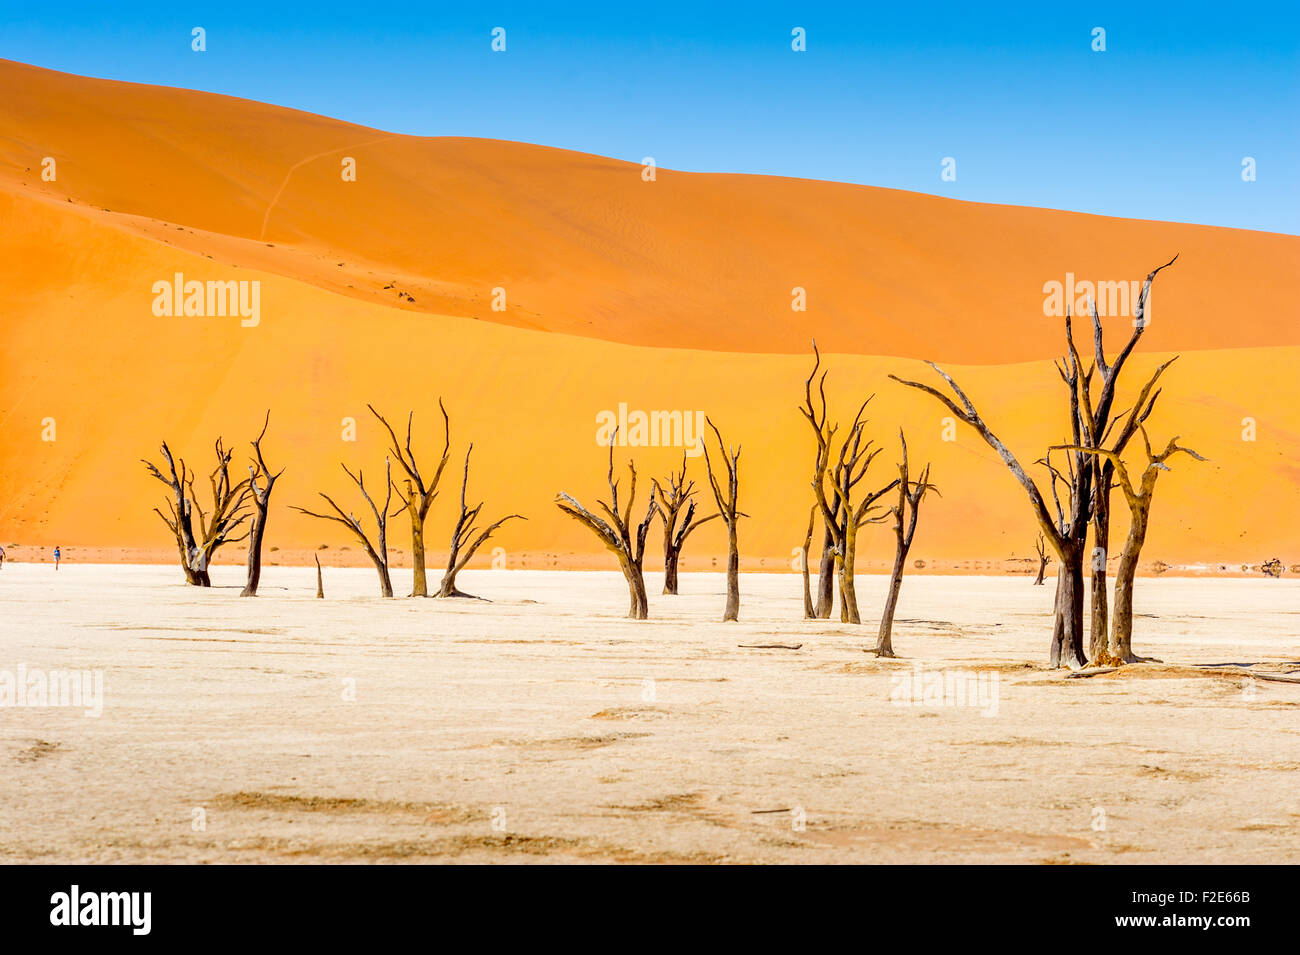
{"x": 463, "y": 541}
{"x": 1096, "y": 425}
{"x": 1061, "y": 531}
{"x": 906, "y": 511}
{"x": 1120, "y": 648}
{"x": 817, "y": 419}
{"x": 843, "y": 519}
{"x": 229, "y": 509}
{"x": 378, "y": 551}
{"x": 729, "y": 457}
{"x": 214, "y": 530}
{"x": 809, "y": 611}
{"x": 1041, "y": 546}
{"x": 618, "y": 535}
{"x": 258, "y": 471}
{"x": 1272, "y": 568}
{"x": 419, "y": 495}
{"x": 320, "y": 580}
{"x": 180, "y": 521}
{"x": 680, "y": 494}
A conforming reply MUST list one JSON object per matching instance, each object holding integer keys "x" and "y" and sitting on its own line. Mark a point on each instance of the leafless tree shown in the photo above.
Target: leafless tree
{"x": 320, "y": 579}
{"x": 679, "y": 494}
{"x": 377, "y": 551}
{"x": 179, "y": 517}
{"x": 1041, "y": 546}
{"x": 463, "y": 540}
{"x": 1098, "y": 419}
{"x": 728, "y": 457}
{"x": 842, "y": 517}
{"x": 1138, "y": 497}
{"x": 815, "y": 411}
{"x": 906, "y": 511}
{"x": 618, "y": 535}
{"x": 1061, "y": 530}
{"x": 214, "y": 530}
{"x": 419, "y": 496}
{"x": 261, "y": 495}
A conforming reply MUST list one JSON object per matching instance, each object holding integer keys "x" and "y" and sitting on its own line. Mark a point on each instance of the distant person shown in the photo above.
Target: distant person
{"x": 57, "y": 555}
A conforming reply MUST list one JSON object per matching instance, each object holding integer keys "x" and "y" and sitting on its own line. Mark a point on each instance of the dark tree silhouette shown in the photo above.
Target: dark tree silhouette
{"x": 377, "y": 551}
{"x": 618, "y": 535}
{"x": 419, "y": 496}
{"x": 463, "y": 540}
{"x": 258, "y": 471}
{"x": 679, "y": 494}
{"x": 729, "y": 457}
{"x": 906, "y": 511}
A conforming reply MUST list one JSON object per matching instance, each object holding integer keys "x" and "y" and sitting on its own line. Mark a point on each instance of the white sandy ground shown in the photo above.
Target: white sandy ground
{"x": 534, "y": 711}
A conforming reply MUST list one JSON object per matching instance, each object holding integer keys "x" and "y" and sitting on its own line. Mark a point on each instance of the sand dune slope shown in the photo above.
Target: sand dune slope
{"x": 672, "y": 296}
{"x": 582, "y": 245}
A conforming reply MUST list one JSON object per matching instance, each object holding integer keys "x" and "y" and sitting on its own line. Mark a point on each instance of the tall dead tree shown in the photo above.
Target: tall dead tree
{"x": 817, "y": 419}
{"x": 1098, "y": 420}
{"x": 618, "y": 535}
{"x": 679, "y": 494}
{"x": 199, "y": 534}
{"x": 729, "y": 457}
{"x": 843, "y": 518}
{"x": 261, "y": 494}
{"x": 1041, "y": 546}
{"x": 419, "y": 496}
{"x": 1062, "y": 531}
{"x": 463, "y": 540}
{"x": 1120, "y": 647}
{"x": 906, "y": 511}
{"x": 377, "y": 551}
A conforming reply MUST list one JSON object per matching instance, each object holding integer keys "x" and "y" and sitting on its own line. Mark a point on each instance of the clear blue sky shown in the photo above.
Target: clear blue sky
{"x": 1156, "y": 127}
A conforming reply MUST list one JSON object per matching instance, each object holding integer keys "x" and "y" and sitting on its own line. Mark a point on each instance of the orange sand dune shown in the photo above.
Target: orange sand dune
{"x": 672, "y": 295}
{"x": 582, "y": 245}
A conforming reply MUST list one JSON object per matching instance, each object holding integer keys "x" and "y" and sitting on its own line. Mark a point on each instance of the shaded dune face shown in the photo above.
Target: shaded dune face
{"x": 671, "y": 295}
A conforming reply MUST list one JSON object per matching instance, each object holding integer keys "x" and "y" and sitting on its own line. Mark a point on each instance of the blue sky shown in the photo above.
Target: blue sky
{"x": 1156, "y": 127}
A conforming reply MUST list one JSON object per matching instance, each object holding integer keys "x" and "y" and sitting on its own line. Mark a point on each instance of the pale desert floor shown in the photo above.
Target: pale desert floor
{"x": 544, "y": 727}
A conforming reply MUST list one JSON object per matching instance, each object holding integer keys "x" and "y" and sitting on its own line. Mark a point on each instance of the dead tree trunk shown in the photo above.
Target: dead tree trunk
{"x": 1067, "y": 638}
{"x": 180, "y": 522}
{"x": 419, "y": 496}
{"x": 1097, "y": 422}
{"x": 842, "y": 517}
{"x": 809, "y": 611}
{"x": 826, "y": 576}
{"x": 463, "y": 541}
{"x": 228, "y": 513}
{"x": 261, "y": 505}
{"x": 378, "y": 551}
{"x": 618, "y": 535}
{"x": 905, "y": 514}
{"x": 730, "y": 458}
{"x": 320, "y": 580}
{"x": 1041, "y": 546}
{"x": 680, "y": 494}
{"x": 1120, "y": 648}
